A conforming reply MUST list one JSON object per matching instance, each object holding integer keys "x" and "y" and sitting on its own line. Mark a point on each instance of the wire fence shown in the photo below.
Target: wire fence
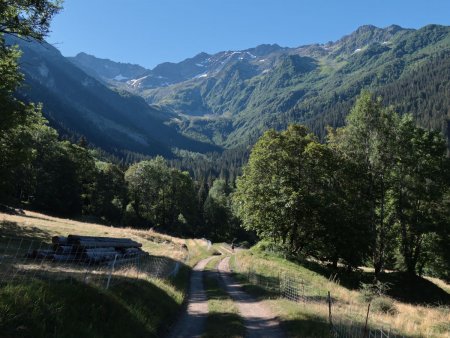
{"x": 353, "y": 330}
{"x": 24, "y": 258}
{"x": 343, "y": 323}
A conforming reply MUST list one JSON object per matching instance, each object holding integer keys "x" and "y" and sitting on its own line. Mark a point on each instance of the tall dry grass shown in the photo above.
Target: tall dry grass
{"x": 409, "y": 320}
{"x": 31, "y": 223}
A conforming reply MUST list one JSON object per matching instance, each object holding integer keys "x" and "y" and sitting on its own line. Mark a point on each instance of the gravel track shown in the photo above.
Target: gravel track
{"x": 258, "y": 318}
{"x": 192, "y": 322}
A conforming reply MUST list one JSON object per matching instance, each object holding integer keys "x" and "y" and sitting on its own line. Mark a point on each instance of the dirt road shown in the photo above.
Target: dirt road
{"x": 259, "y": 320}
{"x": 192, "y": 323}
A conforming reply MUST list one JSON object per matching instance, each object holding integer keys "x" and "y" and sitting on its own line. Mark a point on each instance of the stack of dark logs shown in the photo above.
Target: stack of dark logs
{"x": 88, "y": 249}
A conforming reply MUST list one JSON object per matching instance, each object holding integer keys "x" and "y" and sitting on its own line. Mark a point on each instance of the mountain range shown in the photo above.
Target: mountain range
{"x": 227, "y": 99}
{"x": 77, "y": 104}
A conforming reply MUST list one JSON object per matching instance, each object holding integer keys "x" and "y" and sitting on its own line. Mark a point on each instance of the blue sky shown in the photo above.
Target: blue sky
{"x": 148, "y": 32}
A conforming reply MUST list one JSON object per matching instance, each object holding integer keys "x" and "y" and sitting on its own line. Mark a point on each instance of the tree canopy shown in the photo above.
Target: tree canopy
{"x": 375, "y": 189}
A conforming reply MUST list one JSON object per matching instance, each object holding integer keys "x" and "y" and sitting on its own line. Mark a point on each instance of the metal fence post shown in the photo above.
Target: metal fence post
{"x": 303, "y": 291}
{"x": 138, "y": 266}
{"x": 111, "y": 272}
{"x": 367, "y": 320}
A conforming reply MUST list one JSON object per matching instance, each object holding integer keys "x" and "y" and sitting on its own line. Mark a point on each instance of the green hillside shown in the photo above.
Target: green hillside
{"x": 316, "y": 85}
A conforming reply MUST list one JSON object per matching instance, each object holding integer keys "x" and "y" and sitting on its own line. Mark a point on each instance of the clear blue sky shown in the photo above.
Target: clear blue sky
{"x": 148, "y": 32}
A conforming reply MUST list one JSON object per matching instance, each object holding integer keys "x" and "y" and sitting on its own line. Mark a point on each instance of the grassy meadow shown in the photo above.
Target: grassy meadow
{"x": 401, "y": 311}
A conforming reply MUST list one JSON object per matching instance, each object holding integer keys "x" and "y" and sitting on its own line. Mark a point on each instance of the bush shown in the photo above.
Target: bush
{"x": 267, "y": 246}
{"x": 372, "y": 290}
{"x": 244, "y": 245}
{"x": 384, "y": 305}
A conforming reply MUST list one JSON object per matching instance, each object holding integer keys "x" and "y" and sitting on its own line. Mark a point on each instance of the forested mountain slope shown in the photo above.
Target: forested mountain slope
{"x": 314, "y": 84}
{"x": 78, "y": 104}
{"x": 229, "y": 98}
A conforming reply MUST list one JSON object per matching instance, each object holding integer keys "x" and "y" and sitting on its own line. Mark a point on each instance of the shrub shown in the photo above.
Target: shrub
{"x": 373, "y": 290}
{"x": 267, "y": 246}
{"x": 384, "y": 305}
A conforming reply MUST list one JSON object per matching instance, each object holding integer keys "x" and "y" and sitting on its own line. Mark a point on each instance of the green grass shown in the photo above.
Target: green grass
{"x": 198, "y": 250}
{"x": 212, "y": 264}
{"x": 68, "y": 308}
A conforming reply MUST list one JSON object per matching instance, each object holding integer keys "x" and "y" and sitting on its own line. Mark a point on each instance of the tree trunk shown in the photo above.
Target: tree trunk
{"x": 377, "y": 266}
{"x": 335, "y": 262}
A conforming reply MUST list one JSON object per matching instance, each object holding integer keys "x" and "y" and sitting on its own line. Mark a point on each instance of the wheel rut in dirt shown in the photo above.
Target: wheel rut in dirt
{"x": 258, "y": 318}
{"x": 192, "y": 322}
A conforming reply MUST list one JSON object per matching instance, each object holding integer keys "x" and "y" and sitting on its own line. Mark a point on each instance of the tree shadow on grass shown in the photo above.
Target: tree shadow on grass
{"x": 224, "y": 325}
{"x": 308, "y": 326}
{"x": 69, "y": 308}
{"x": 13, "y": 230}
{"x": 401, "y": 286}
{"x": 156, "y": 309}
{"x": 414, "y": 289}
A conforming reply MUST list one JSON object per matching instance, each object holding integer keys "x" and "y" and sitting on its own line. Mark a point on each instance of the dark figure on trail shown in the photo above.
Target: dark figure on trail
{"x": 232, "y": 247}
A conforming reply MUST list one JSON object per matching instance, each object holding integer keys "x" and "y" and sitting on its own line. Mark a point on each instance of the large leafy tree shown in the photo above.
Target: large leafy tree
{"x": 220, "y": 222}
{"x": 147, "y": 182}
{"x": 297, "y": 191}
{"x": 420, "y": 180}
{"x": 405, "y": 173}
{"x": 160, "y": 195}
{"x": 344, "y": 216}
{"x": 368, "y": 140}
{"x": 107, "y": 196}
{"x": 272, "y": 194}
{"x": 56, "y": 175}
{"x": 26, "y": 19}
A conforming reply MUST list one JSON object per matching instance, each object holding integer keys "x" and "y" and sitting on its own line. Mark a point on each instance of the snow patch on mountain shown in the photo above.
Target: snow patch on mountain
{"x": 136, "y": 82}
{"x": 201, "y": 76}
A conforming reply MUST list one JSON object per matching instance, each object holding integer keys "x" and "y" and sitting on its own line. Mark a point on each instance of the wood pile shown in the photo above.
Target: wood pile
{"x": 89, "y": 249}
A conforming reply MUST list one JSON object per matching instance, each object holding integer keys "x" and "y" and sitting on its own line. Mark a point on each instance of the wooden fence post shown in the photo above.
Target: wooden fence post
{"x": 329, "y": 309}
